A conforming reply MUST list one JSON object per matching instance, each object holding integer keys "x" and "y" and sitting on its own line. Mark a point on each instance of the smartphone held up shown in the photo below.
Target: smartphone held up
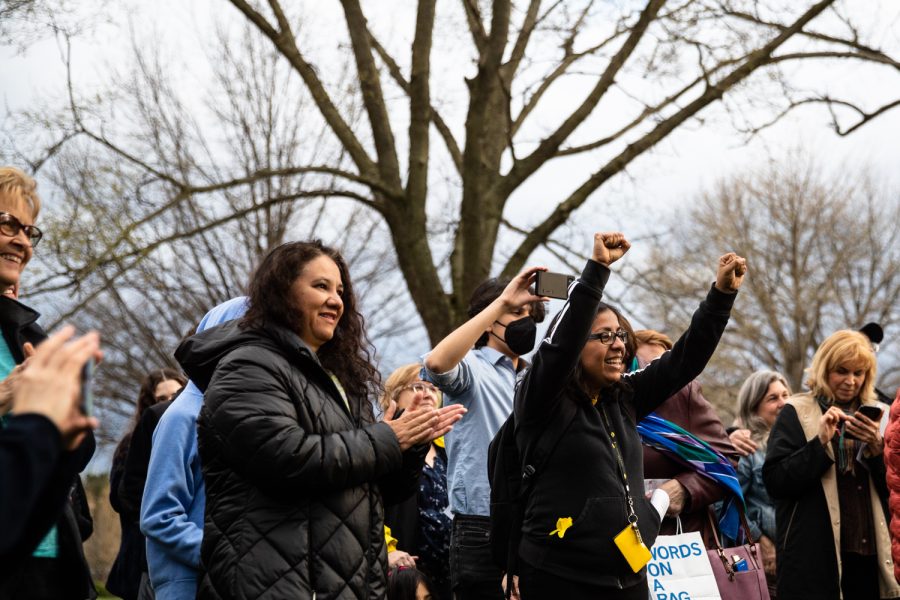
{"x": 552, "y": 285}
{"x": 86, "y": 405}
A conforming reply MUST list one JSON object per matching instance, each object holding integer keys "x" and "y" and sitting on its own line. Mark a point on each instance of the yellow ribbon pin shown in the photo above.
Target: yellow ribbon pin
{"x": 562, "y": 524}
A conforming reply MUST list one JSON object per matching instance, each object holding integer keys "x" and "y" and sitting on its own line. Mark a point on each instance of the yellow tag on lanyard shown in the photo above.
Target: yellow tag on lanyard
{"x": 632, "y": 547}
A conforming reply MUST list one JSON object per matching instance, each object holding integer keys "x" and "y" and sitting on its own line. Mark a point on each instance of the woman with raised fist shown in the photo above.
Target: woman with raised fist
{"x": 588, "y": 526}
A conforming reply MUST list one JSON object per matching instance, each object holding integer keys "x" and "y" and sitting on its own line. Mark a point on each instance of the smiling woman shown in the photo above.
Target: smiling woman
{"x": 294, "y": 463}
{"x": 589, "y": 495}
{"x": 19, "y": 207}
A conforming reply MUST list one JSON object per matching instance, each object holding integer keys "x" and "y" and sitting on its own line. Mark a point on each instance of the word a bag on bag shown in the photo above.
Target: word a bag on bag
{"x": 680, "y": 569}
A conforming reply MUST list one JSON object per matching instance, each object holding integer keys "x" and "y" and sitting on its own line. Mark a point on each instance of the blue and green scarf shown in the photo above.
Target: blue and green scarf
{"x": 689, "y": 450}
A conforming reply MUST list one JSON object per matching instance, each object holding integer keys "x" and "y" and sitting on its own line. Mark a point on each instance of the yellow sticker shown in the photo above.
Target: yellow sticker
{"x": 562, "y": 524}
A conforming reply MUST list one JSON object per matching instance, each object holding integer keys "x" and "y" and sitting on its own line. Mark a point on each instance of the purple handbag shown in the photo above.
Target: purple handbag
{"x": 734, "y": 584}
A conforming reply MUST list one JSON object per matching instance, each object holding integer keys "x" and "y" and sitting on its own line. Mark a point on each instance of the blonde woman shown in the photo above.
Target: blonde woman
{"x": 421, "y": 525}
{"x": 824, "y": 469}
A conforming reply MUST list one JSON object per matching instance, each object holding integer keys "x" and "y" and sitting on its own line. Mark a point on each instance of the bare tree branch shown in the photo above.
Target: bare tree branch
{"x": 372, "y": 95}
{"x": 439, "y": 123}
{"x": 476, "y": 25}
{"x": 286, "y": 43}
{"x": 564, "y": 209}
{"x": 420, "y": 102}
{"x": 525, "y": 167}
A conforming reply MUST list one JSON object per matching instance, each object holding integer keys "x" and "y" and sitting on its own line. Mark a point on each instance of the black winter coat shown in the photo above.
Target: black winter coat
{"x": 581, "y": 479}
{"x": 58, "y": 501}
{"x": 293, "y": 478}
{"x": 126, "y": 490}
{"x": 799, "y": 474}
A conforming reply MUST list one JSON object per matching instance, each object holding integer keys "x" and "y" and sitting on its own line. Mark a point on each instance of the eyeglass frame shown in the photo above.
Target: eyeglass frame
{"x": 436, "y": 391}
{"x": 621, "y": 334}
{"x": 7, "y": 219}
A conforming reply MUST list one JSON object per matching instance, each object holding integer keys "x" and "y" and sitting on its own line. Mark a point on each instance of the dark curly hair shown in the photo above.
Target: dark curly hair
{"x": 147, "y": 398}
{"x": 488, "y": 291}
{"x": 348, "y": 354}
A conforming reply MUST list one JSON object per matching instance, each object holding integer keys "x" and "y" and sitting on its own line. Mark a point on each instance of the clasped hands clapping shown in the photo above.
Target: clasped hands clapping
{"x": 422, "y": 421}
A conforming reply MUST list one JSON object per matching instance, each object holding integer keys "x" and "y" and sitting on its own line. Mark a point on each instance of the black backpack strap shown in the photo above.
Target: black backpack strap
{"x": 538, "y": 449}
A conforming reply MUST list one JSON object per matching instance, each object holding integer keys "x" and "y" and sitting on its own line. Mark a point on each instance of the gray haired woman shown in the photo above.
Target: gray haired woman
{"x": 759, "y": 401}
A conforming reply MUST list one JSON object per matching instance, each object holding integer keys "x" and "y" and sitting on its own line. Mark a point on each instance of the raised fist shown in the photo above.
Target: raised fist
{"x": 609, "y": 247}
{"x": 730, "y": 275}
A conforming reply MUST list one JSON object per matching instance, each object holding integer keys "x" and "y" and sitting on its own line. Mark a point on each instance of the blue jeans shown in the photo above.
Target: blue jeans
{"x": 473, "y": 574}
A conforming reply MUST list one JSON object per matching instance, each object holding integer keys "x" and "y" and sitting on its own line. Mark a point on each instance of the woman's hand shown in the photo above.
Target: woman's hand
{"x": 514, "y": 594}
{"x": 447, "y": 417}
{"x": 399, "y": 558}
{"x": 829, "y": 423}
{"x": 767, "y": 546}
{"x": 51, "y": 384}
{"x": 516, "y": 294}
{"x": 867, "y": 431}
{"x": 742, "y": 442}
{"x": 609, "y": 247}
{"x": 730, "y": 275}
{"x": 677, "y": 497}
{"x": 7, "y": 385}
{"x": 422, "y": 422}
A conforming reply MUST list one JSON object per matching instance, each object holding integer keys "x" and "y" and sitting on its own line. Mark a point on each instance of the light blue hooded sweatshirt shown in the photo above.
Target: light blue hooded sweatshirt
{"x": 174, "y": 496}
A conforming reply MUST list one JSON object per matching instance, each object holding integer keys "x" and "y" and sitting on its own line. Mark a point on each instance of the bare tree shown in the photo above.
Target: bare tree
{"x": 824, "y": 254}
{"x": 639, "y": 74}
{"x": 188, "y": 256}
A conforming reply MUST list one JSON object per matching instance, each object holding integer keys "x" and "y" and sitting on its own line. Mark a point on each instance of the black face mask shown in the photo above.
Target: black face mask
{"x": 520, "y": 335}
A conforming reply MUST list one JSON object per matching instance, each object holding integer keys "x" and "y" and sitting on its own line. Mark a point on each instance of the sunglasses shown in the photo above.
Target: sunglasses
{"x": 609, "y": 337}
{"x": 11, "y": 226}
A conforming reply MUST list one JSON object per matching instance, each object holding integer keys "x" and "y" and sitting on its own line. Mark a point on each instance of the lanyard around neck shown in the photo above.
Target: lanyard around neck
{"x": 611, "y": 434}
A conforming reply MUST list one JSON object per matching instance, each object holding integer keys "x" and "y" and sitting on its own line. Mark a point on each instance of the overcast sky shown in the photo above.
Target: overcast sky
{"x": 660, "y": 181}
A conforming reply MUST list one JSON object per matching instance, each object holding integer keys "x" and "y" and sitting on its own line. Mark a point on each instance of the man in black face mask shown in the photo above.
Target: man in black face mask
{"x": 502, "y": 328}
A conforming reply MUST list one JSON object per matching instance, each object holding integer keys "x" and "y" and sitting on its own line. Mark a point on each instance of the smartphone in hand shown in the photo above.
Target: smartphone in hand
{"x": 87, "y": 388}
{"x": 552, "y": 285}
{"x": 872, "y": 412}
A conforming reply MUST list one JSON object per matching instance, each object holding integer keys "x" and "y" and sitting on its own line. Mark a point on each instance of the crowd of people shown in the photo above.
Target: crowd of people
{"x": 275, "y": 463}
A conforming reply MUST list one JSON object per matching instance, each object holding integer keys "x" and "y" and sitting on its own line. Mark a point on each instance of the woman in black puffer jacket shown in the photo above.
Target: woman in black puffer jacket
{"x": 293, "y": 459}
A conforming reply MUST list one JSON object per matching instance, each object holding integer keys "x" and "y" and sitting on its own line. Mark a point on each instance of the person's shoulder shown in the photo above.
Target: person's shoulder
{"x": 487, "y": 356}
{"x": 801, "y": 400}
{"x": 186, "y": 403}
{"x": 260, "y": 353}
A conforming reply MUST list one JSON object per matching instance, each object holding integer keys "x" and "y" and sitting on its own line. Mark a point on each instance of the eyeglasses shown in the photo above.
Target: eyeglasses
{"x": 419, "y": 387}
{"x": 609, "y": 337}
{"x": 11, "y": 226}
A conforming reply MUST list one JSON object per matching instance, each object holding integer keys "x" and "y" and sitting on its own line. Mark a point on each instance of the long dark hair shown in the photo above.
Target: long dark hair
{"x": 348, "y": 354}
{"x": 147, "y": 398}
{"x": 576, "y": 377}
{"x": 403, "y": 583}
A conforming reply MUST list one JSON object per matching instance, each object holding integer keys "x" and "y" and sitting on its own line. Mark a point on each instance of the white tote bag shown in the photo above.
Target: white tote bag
{"x": 680, "y": 570}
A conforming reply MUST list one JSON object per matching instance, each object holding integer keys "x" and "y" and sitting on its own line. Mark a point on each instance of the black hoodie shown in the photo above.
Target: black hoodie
{"x": 42, "y": 489}
{"x": 581, "y": 480}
